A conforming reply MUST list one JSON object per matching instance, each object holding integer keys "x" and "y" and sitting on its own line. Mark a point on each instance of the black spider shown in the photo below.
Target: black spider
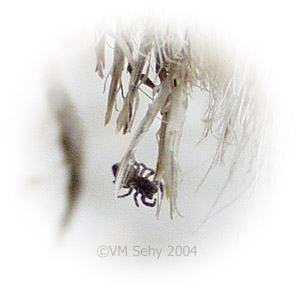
{"x": 140, "y": 183}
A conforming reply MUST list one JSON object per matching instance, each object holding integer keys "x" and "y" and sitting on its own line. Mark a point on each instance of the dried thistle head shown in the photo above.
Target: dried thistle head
{"x": 171, "y": 63}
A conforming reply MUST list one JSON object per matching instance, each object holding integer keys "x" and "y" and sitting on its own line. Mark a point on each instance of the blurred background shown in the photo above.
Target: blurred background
{"x": 254, "y": 239}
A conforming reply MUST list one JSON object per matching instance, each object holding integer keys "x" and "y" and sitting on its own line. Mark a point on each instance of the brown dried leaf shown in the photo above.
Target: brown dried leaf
{"x": 116, "y": 74}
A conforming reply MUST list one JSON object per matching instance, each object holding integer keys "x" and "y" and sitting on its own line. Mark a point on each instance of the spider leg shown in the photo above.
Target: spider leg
{"x": 160, "y": 194}
{"x": 145, "y": 168}
{"x": 148, "y": 204}
{"x": 124, "y": 195}
{"x": 138, "y": 166}
{"x": 151, "y": 172}
{"x": 161, "y": 187}
{"x": 136, "y": 199}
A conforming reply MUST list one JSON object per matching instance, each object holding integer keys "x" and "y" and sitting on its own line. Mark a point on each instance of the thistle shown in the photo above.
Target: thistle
{"x": 172, "y": 62}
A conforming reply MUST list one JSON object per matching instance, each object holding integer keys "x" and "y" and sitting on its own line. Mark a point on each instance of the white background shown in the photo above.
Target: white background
{"x": 262, "y": 262}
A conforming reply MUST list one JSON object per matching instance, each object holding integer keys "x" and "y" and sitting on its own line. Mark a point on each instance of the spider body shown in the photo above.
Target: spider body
{"x": 138, "y": 179}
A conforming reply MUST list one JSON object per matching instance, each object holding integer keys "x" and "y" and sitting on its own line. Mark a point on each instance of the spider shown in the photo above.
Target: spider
{"x": 139, "y": 181}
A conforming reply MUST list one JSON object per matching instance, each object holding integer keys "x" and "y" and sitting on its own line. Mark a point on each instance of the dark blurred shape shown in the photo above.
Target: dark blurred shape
{"x": 70, "y": 140}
